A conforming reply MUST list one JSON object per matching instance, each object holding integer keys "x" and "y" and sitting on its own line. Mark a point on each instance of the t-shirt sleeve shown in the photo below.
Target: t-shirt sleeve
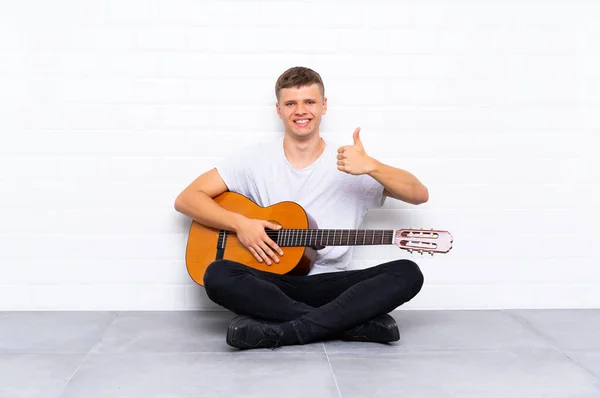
{"x": 373, "y": 193}
{"x": 235, "y": 172}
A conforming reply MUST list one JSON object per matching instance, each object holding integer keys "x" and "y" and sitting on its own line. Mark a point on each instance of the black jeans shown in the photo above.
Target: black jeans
{"x": 318, "y": 306}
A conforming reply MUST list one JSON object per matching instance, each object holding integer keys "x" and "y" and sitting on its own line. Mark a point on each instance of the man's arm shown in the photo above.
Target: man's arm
{"x": 398, "y": 183}
{"x": 196, "y": 201}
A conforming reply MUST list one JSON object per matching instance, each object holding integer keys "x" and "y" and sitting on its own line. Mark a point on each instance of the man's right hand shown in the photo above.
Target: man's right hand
{"x": 251, "y": 232}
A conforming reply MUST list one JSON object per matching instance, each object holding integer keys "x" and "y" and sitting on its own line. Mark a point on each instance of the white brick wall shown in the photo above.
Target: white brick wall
{"x": 109, "y": 108}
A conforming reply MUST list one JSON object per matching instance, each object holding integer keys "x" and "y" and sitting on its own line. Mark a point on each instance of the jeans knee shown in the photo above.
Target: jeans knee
{"x": 215, "y": 277}
{"x": 409, "y": 272}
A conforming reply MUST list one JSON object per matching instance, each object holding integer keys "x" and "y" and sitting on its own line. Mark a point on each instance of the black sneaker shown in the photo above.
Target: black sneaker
{"x": 381, "y": 329}
{"x": 245, "y": 333}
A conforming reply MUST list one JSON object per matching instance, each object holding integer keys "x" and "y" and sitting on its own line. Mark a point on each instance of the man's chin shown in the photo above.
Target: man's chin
{"x": 302, "y": 134}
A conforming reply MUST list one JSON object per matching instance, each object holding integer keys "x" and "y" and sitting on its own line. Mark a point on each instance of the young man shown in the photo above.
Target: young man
{"x": 336, "y": 185}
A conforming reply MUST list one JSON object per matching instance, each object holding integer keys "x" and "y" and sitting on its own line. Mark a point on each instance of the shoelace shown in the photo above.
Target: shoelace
{"x": 273, "y": 337}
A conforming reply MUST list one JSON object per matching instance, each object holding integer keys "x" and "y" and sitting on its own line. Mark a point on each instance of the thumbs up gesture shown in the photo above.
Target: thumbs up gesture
{"x": 353, "y": 159}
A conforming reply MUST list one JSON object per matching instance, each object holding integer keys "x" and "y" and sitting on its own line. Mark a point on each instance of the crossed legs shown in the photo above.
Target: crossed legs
{"x": 315, "y": 307}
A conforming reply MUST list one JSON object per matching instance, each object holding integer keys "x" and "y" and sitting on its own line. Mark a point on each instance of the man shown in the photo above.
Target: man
{"x": 336, "y": 185}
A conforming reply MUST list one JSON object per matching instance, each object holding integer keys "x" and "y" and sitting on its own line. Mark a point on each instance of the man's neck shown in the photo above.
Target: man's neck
{"x": 301, "y": 154}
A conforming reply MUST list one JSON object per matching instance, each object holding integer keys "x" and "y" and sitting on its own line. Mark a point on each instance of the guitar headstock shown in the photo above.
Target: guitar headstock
{"x": 423, "y": 240}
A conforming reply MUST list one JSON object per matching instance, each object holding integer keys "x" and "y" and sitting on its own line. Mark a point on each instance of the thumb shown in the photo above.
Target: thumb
{"x": 356, "y": 137}
{"x": 272, "y": 226}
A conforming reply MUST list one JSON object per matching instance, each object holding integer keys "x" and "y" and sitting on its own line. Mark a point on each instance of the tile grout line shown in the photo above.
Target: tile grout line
{"x": 332, "y": 372}
{"x": 62, "y": 391}
{"x": 548, "y": 341}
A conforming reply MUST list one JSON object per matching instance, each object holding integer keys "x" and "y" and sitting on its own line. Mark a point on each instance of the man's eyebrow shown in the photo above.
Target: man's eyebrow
{"x": 306, "y": 99}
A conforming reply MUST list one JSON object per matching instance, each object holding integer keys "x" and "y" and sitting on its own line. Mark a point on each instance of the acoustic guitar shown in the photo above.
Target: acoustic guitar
{"x": 299, "y": 238}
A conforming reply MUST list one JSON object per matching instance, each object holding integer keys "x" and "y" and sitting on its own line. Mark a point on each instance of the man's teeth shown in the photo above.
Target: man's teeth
{"x": 301, "y": 121}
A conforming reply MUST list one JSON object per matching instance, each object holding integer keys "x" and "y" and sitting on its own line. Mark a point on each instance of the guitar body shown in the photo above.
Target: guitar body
{"x": 206, "y": 245}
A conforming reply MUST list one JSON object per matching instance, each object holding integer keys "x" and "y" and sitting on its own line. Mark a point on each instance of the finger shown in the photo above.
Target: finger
{"x": 255, "y": 254}
{"x": 259, "y": 249}
{"x": 274, "y": 246}
{"x": 269, "y": 252}
{"x": 262, "y": 253}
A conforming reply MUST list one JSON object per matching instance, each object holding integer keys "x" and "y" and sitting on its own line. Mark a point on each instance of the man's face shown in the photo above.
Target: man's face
{"x": 301, "y": 110}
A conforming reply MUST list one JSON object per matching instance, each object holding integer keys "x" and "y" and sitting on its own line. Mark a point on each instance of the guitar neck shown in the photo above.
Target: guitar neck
{"x": 332, "y": 237}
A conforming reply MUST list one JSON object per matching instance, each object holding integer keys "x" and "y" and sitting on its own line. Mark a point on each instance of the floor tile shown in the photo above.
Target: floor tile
{"x": 36, "y": 375}
{"x": 589, "y": 360}
{"x": 248, "y": 374}
{"x": 49, "y": 331}
{"x": 174, "y": 331}
{"x": 450, "y": 330}
{"x": 566, "y": 329}
{"x": 489, "y": 374}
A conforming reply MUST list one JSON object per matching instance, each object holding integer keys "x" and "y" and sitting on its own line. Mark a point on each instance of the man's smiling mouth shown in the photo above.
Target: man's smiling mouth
{"x": 302, "y": 122}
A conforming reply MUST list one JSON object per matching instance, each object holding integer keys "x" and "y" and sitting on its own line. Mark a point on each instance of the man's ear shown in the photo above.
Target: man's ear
{"x": 278, "y": 109}
{"x": 324, "y": 105}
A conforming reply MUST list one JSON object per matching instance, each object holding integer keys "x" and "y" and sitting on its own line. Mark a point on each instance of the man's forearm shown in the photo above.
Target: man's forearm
{"x": 399, "y": 183}
{"x": 203, "y": 209}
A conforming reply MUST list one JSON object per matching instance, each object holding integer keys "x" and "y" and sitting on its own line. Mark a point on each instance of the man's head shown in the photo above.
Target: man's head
{"x": 301, "y": 101}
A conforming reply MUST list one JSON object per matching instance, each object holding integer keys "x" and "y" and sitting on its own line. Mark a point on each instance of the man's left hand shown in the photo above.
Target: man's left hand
{"x": 353, "y": 159}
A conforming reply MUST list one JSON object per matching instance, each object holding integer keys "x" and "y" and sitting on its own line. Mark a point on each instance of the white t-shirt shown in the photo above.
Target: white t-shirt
{"x": 334, "y": 199}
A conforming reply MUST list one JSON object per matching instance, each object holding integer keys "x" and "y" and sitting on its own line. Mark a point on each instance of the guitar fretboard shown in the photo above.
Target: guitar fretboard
{"x": 331, "y": 237}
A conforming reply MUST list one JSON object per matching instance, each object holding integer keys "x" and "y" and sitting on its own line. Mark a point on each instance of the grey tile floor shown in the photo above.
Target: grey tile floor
{"x": 524, "y": 353}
